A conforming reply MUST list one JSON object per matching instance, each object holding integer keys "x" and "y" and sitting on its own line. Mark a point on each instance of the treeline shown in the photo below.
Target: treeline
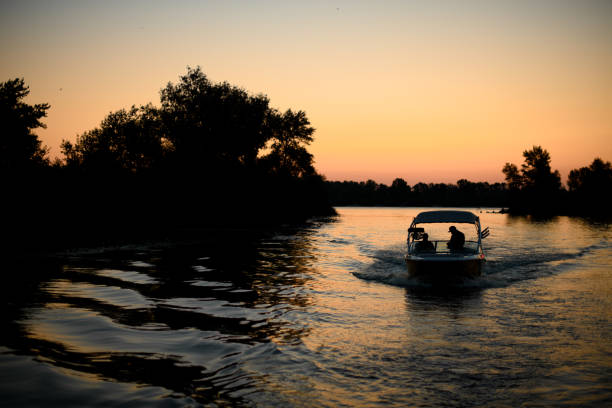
{"x": 210, "y": 154}
{"x": 537, "y": 189}
{"x": 534, "y": 188}
{"x": 462, "y": 194}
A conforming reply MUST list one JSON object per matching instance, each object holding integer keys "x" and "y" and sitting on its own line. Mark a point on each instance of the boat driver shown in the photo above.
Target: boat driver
{"x": 457, "y": 239}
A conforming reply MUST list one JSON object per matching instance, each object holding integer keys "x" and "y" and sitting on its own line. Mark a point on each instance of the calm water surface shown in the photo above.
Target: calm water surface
{"x": 319, "y": 315}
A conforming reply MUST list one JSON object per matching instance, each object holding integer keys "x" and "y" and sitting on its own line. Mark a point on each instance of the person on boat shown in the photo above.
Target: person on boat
{"x": 457, "y": 239}
{"x": 425, "y": 245}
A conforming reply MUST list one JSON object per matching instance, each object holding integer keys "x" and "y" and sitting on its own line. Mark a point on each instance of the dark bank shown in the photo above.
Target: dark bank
{"x": 210, "y": 150}
{"x": 534, "y": 189}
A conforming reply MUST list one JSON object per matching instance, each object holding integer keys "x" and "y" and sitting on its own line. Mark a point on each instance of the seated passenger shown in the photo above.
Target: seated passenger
{"x": 425, "y": 245}
{"x": 457, "y": 239}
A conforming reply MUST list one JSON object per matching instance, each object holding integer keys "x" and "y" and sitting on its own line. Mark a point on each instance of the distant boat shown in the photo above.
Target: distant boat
{"x": 437, "y": 261}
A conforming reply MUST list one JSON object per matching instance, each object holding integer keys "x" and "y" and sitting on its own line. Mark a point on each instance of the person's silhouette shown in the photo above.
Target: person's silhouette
{"x": 425, "y": 245}
{"x": 457, "y": 239}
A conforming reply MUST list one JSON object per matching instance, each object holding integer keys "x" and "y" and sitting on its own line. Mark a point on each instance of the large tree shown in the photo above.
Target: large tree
{"x": 535, "y": 187}
{"x": 535, "y": 173}
{"x": 20, "y": 148}
{"x": 213, "y": 125}
{"x": 289, "y": 133}
{"x": 594, "y": 179}
{"x": 590, "y": 187}
{"x": 218, "y": 126}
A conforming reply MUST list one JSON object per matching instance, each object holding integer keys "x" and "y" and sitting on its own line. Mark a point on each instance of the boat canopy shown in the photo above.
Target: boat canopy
{"x": 446, "y": 216}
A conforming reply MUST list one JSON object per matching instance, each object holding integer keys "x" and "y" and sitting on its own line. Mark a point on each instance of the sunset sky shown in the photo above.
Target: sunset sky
{"x": 429, "y": 91}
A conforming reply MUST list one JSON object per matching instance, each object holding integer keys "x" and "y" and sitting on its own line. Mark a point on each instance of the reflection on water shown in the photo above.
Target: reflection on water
{"x": 318, "y": 315}
{"x": 183, "y": 318}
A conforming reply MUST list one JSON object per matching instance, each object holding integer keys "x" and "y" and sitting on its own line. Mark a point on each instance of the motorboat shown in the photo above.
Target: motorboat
{"x": 440, "y": 259}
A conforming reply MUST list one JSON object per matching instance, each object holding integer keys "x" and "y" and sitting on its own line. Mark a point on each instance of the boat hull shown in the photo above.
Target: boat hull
{"x": 444, "y": 271}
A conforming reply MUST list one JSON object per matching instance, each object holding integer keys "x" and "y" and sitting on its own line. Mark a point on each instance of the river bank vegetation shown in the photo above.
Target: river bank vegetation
{"x": 210, "y": 155}
{"x": 537, "y": 189}
{"x": 534, "y": 189}
{"x": 462, "y": 194}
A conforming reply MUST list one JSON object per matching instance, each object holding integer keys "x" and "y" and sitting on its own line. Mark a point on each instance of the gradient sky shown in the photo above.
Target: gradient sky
{"x": 429, "y": 91}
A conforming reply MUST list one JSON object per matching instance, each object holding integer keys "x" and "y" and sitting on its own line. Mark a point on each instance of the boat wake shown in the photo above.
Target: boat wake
{"x": 388, "y": 267}
{"x": 503, "y": 267}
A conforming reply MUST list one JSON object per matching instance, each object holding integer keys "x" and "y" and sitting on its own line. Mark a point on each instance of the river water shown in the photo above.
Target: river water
{"x": 316, "y": 315}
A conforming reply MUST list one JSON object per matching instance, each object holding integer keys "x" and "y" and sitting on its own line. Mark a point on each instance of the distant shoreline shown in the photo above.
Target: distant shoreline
{"x": 497, "y": 210}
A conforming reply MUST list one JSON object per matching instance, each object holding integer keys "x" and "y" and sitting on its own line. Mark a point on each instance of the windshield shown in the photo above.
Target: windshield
{"x": 439, "y": 231}
{"x": 439, "y": 235}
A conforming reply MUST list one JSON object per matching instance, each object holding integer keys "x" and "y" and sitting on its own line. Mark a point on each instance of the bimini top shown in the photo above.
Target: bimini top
{"x": 445, "y": 216}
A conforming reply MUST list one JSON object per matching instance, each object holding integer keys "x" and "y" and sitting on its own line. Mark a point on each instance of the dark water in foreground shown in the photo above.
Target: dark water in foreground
{"x": 320, "y": 315}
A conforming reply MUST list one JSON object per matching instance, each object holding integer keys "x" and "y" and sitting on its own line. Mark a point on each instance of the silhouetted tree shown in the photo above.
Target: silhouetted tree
{"x": 590, "y": 187}
{"x": 537, "y": 173}
{"x": 514, "y": 180}
{"x": 20, "y": 148}
{"x": 213, "y": 126}
{"x": 26, "y": 187}
{"x": 400, "y": 192}
{"x": 289, "y": 133}
{"x": 592, "y": 179}
{"x": 536, "y": 187}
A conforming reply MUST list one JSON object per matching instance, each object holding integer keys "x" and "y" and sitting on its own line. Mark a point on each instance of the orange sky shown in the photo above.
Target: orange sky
{"x": 429, "y": 91}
